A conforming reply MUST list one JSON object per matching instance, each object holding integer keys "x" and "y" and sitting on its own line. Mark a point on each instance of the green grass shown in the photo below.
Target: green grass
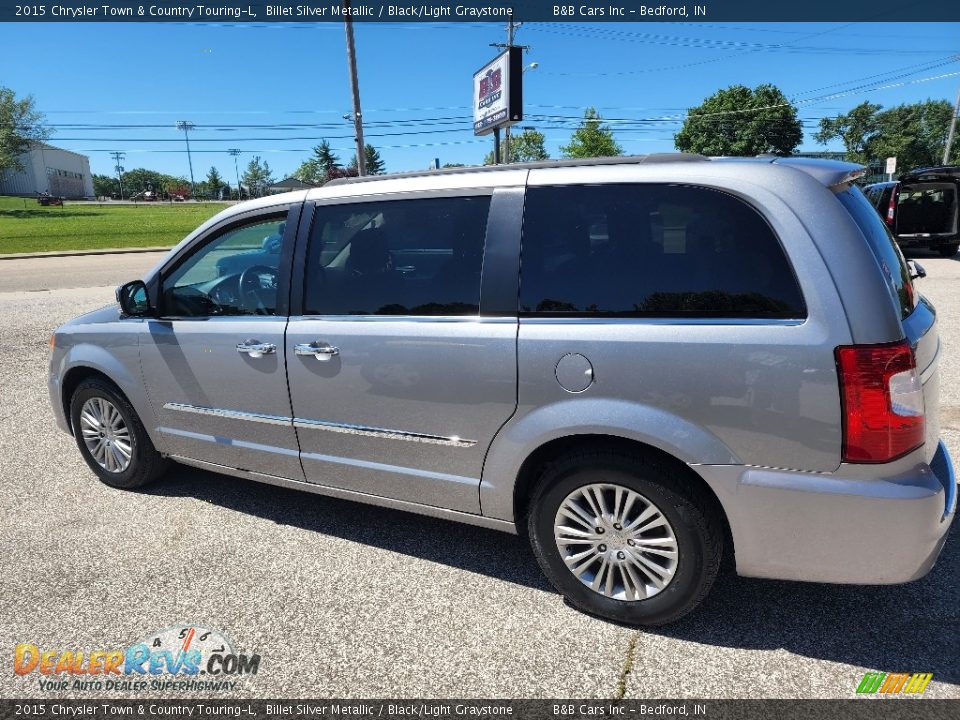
{"x": 25, "y": 226}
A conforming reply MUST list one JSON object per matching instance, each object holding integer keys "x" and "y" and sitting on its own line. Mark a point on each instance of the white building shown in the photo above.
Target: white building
{"x": 49, "y": 169}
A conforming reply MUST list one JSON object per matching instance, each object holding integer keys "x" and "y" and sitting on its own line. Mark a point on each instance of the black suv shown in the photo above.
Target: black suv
{"x": 921, "y": 208}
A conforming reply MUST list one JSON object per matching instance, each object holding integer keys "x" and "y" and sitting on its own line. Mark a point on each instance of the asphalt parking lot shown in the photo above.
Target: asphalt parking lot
{"x": 346, "y": 600}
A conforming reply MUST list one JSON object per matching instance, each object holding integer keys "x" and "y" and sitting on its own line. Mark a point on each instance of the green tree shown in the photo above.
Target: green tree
{"x": 857, "y": 129}
{"x": 309, "y": 172}
{"x": 214, "y": 182}
{"x": 915, "y": 133}
{"x": 20, "y": 124}
{"x": 320, "y": 167}
{"x": 105, "y": 185}
{"x": 325, "y": 158}
{"x": 140, "y": 180}
{"x": 258, "y": 176}
{"x": 374, "y": 163}
{"x": 742, "y": 122}
{"x": 592, "y": 138}
{"x": 524, "y": 147}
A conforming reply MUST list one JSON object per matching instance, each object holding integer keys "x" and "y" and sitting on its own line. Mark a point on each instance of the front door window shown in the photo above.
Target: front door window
{"x": 234, "y": 274}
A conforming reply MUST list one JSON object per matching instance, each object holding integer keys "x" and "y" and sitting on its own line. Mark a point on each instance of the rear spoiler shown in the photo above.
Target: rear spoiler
{"x": 835, "y": 174}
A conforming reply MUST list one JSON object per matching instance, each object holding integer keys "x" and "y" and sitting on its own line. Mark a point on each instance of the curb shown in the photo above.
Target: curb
{"x": 75, "y": 253}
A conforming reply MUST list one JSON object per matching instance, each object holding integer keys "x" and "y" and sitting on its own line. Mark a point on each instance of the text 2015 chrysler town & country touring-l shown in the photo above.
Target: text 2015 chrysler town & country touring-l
{"x": 640, "y": 363}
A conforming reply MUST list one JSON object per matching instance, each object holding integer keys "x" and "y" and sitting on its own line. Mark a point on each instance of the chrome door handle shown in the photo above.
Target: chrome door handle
{"x": 256, "y": 349}
{"x": 323, "y": 353}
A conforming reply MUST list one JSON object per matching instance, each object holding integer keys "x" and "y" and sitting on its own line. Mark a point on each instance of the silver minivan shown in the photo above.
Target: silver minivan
{"x": 639, "y": 363}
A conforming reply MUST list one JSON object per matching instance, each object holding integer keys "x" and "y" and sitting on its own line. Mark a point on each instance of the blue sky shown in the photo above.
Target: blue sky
{"x": 288, "y": 83}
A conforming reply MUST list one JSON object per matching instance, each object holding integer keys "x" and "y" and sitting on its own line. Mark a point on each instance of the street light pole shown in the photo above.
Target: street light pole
{"x": 235, "y": 152}
{"x": 355, "y": 87}
{"x": 187, "y": 126}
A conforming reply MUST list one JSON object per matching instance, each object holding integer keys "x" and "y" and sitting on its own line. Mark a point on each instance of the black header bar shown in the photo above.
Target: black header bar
{"x": 229, "y": 11}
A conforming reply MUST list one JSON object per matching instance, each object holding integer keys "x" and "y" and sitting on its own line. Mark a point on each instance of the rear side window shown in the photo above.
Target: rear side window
{"x": 885, "y": 248}
{"x": 651, "y": 251}
{"x": 397, "y": 257}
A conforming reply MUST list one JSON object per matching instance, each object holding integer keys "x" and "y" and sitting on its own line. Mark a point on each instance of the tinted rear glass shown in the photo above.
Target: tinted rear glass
{"x": 883, "y": 245}
{"x": 397, "y": 257}
{"x": 651, "y": 251}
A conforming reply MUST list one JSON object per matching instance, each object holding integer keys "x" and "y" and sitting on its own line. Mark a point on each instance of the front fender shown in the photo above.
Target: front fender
{"x": 527, "y": 431}
{"x": 120, "y": 363}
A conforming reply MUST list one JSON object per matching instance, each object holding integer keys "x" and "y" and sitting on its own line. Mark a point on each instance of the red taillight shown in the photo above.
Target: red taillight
{"x": 883, "y": 412}
{"x": 891, "y": 207}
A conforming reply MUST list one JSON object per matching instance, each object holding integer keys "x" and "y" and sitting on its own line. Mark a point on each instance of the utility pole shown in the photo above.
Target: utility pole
{"x": 511, "y": 28}
{"x": 953, "y": 127}
{"x": 118, "y": 158}
{"x": 506, "y": 130}
{"x": 235, "y": 152}
{"x": 187, "y": 126}
{"x": 355, "y": 87}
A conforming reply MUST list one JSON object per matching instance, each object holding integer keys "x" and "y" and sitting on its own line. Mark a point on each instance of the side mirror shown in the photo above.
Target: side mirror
{"x": 133, "y": 299}
{"x": 916, "y": 270}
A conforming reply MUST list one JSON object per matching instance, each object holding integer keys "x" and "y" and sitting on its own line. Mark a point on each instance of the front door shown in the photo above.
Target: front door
{"x": 398, "y": 384}
{"x": 214, "y": 362}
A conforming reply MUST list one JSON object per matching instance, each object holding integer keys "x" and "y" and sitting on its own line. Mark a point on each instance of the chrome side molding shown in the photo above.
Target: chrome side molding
{"x": 228, "y": 414}
{"x": 307, "y": 424}
{"x": 453, "y": 440}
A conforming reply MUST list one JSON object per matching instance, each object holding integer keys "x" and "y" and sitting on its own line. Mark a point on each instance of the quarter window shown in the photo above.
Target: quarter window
{"x": 236, "y": 273}
{"x": 397, "y": 257}
{"x": 651, "y": 250}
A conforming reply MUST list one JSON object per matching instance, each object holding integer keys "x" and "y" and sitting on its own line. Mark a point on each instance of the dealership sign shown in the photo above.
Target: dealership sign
{"x": 498, "y": 92}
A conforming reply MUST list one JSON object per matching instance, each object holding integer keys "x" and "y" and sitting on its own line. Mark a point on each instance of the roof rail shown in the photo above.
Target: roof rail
{"x": 573, "y": 162}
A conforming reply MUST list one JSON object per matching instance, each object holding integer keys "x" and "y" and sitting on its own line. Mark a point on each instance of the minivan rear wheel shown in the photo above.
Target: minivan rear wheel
{"x": 625, "y": 537}
{"x": 111, "y": 437}
{"x": 948, "y": 250}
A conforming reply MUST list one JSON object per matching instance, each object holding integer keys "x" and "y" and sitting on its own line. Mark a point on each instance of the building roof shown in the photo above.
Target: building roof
{"x": 291, "y": 183}
{"x": 35, "y": 144}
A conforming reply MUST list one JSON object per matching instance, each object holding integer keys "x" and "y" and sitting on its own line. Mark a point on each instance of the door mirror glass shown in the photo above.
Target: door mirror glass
{"x": 133, "y": 299}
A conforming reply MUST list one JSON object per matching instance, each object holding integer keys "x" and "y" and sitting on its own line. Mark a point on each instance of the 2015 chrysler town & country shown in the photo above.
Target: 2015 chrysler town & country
{"x": 641, "y": 363}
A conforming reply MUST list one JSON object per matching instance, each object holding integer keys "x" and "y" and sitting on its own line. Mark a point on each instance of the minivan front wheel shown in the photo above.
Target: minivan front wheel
{"x": 111, "y": 437}
{"x": 624, "y": 538}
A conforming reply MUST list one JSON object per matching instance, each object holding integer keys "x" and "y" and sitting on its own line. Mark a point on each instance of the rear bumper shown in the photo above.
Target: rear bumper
{"x": 841, "y": 527}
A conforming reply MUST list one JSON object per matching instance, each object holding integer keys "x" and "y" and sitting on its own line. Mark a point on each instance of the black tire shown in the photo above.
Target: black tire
{"x": 146, "y": 464}
{"x": 686, "y": 506}
{"x": 948, "y": 250}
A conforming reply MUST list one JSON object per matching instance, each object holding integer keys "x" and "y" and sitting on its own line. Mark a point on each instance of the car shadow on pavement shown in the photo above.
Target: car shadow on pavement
{"x": 902, "y": 628}
{"x": 488, "y": 552}
{"x": 893, "y": 628}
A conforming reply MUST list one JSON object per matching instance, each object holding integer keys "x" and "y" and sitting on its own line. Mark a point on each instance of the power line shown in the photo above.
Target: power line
{"x": 718, "y": 44}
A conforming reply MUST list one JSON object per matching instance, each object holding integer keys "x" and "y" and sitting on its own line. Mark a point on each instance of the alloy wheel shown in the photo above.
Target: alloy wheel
{"x": 616, "y": 541}
{"x": 106, "y": 435}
